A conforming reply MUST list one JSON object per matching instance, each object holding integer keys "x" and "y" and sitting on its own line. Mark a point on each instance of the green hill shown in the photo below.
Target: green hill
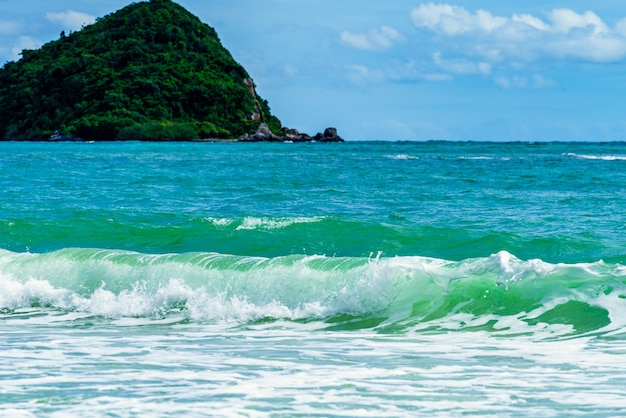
{"x": 151, "y": 70}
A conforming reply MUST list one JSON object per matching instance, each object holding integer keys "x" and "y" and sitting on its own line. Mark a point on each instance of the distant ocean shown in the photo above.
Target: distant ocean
{"x": 359, "y": 279}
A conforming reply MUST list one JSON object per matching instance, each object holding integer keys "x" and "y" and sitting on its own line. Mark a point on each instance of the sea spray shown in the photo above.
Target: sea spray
{"x": 402, "y": 293}
{"x": 375, "y": 278}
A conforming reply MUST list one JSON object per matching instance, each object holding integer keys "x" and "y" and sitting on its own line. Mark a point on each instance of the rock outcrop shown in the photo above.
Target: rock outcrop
{"x": 263, "y": 134}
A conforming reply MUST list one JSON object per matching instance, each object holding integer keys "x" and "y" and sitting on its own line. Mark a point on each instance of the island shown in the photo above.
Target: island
{"x": 150, "y": 71}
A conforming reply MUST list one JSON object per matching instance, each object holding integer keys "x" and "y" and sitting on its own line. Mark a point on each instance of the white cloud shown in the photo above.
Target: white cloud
{"x": 414, "y": 71}
{"x": 71, "y": 19}
{"x": 461, "y": 66}
{"x": 8, "y": 27}
{"x": 565, "y": 34}
{"x": 620, "y": 27}
{"x": 373, "y": 40}
{"x": 454, "y": 20}
{"x": 360, "y": 74}
{"x": 509, "y": 50}
{"x": 408, "y": 72}
{"x": 24, "y": 42}
{"x": 531, "y": 21}
{"x": 290, "y": 70}
{"x": 564, "y": 20}
{"x": 534, "y": 81}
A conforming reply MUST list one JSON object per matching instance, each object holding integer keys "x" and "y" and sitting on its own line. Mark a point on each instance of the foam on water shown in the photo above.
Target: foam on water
{"x": 285, "y": 369}
{"x": 274, "y": 223}
{"x": 441, "y": 324}
{"x": 401, "y": 294}
{"x": 261, "y": 223}
{"x": 403, "y": 157}
{"x": 597, "y": 157}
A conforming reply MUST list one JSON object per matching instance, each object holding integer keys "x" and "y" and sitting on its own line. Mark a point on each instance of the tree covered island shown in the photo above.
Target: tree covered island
{"x": 150, "y": 71}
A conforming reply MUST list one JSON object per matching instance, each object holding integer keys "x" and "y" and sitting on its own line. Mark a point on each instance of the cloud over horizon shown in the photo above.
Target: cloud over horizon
{"x": 8, "y": 27}
{"x": 564, "y": 34}
{"x": 373, "y": 40}
{"x": 71, "y": 19}
{"x": 24, "y": 42}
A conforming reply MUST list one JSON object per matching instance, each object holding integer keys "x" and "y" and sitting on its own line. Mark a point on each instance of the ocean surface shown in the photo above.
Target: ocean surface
{"x": 359, "y": 279}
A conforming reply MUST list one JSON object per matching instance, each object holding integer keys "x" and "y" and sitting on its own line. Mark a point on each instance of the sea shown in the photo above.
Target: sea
{"x": 381, "y": 279}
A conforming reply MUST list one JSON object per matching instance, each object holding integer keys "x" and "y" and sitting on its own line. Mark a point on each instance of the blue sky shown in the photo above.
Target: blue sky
{"x": 404, "y": 70}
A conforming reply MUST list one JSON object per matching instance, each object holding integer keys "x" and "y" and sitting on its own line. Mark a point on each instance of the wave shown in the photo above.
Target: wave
{"x": 472, "y": 157}
{"x": 483, "y": 158}
{"x": 500, "y": 293}
{"x": 400, "y": 233}
{"x": 252, "y": 223}
{"x": 402, "y": 157}
{"x": 596, "y": 157}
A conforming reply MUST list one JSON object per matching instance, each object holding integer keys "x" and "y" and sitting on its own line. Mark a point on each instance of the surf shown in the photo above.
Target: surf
{"x": 500, "y": 293}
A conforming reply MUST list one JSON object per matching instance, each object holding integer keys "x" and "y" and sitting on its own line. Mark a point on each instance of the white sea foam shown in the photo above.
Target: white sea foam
{"x": 483, "y": 158}
{"x": 215, "y": 287}
{"x": 286, "y": 369}
{"x": 220, "y": 221}
{"x": 251, "y": 222}
{"x": 192, "y": 344}
{"x": 597, "y": 157}
{"x": 402, "y": 157}
{"x": 478, "y": 158}
{"x": 209, "y": 287}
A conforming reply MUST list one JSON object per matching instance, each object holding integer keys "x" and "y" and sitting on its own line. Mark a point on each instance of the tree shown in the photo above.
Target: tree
{"x": 151, "y": 68}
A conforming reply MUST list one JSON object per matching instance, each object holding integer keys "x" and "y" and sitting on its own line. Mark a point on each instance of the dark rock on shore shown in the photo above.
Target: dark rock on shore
{"x": 263, "y": 134}
{"x": 56, "y": 136}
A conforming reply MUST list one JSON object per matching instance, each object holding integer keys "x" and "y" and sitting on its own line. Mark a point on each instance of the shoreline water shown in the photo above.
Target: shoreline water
{"x": 353, "y": 141}
{"x": 371, "y": 278}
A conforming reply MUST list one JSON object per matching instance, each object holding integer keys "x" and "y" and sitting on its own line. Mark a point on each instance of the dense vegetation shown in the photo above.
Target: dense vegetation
{"x": 151, "y": 70}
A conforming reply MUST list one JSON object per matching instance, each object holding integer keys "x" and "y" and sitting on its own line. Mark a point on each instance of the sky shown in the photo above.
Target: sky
{"x": 498, "y": 70}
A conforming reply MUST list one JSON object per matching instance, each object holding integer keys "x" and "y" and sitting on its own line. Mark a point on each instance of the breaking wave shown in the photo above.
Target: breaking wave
{"x": 253, "y": 223}
{"x": 597, "y": 157}
{"x": 499, "y": 293}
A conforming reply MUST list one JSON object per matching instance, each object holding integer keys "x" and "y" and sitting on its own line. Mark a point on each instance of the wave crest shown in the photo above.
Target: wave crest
{"x": 399, "y": 294}
{"x": 252, "y": 222}
{"x": 596, "y": 157}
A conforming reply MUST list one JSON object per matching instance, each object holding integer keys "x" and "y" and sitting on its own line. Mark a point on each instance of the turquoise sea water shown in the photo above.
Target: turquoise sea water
{"x": 355, "y": 279}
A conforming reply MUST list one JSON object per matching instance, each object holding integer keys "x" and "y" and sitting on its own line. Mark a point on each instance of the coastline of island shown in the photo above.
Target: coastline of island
{"x": 263, "y": 134}
{"x": 151, "y": 71}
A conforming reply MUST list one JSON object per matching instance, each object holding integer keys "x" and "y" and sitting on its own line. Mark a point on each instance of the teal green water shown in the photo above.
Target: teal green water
{"x": 312, "y": 279}
{"x": 557, "y": 202}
